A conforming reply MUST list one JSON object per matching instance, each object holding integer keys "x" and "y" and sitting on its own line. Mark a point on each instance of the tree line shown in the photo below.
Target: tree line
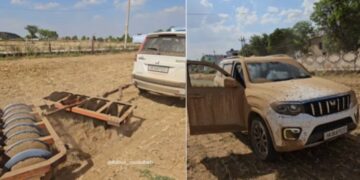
{"x": 34, "y": 32}
{"x": 337, "y": 23}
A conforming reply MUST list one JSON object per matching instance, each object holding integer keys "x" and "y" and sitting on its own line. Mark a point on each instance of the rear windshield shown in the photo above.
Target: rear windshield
{"x": 165, "y": 45}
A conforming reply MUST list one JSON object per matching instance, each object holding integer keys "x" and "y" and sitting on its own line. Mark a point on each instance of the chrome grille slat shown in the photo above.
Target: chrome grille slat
{"x": 312, "y": 110}
{"x": 327, "y": 106}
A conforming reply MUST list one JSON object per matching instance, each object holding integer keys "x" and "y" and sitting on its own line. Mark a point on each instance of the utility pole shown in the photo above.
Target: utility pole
{"x": 242, "y": 41}
{"x": 127, "y": 24}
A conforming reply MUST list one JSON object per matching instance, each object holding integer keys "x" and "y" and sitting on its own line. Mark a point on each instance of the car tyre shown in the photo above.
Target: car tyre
{"x": 260, "y": 140}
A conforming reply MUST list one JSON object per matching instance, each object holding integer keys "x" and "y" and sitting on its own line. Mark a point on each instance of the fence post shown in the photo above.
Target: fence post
{"x": 92, "y": 45}
{"x": 49, "y": 46}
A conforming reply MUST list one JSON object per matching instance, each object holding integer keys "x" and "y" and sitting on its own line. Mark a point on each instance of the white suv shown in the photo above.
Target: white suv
{"x": 160, "y": 64}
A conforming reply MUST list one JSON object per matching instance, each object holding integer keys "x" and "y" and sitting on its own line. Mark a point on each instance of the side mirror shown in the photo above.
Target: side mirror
{"x": 231, "y": 82}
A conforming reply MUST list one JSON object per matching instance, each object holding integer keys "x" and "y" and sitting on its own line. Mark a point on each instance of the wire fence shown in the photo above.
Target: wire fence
{"x": 28, "y": 48}
{"x": 343, "y": 61}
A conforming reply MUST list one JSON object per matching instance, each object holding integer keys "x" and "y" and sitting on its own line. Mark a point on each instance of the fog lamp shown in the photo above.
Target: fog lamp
{"x": 291, "y": 133}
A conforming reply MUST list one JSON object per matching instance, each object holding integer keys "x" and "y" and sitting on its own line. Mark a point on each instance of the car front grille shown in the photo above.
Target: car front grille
{"x": 327, "y": 106}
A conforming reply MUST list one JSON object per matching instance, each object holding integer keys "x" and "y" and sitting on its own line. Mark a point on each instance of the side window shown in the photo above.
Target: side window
{"x": 239, "y": 74}
{"x": 204, "y": 76}
{"x": 239, "y": 69}
{"x": 228, "y": 67}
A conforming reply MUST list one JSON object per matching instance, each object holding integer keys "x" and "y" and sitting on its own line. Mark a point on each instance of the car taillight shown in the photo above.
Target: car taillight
{"x": 142, "y": 45}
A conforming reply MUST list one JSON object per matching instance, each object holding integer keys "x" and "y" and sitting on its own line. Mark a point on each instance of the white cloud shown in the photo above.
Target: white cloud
{"x": 244, "y": 16}
{"x": 146, "y": 22}
{"x": 84, "y": 3}
{"x": 123, "y": 3}
{"x": 46, "y": 6}
{"x": 269, "y": 18}
{"x": 97, "y": 17}
{"x": 308, "y": 6}
{"x": 206, "y": 3}
{"x": 272, "y": 9}
{"x": 173, "y": 9}
{"x": 18, "y": 2}
{"x": 291, "y": 14}
{"x": 223, "y": 15}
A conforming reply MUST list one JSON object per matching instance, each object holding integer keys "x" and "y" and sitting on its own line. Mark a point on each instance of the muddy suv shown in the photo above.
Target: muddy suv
{"x": 274, "y": 99}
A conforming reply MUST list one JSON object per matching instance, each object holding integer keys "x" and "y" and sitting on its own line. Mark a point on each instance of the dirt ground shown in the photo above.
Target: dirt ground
{"x": 228, "y": 156}
{"x": 151, "y": 146}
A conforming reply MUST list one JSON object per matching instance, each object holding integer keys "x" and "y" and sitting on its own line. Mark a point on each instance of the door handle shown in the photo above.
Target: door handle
{"x": 141, "y": 58}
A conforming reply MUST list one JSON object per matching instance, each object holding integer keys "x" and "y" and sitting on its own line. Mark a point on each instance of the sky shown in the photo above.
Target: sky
{"x": 217, "y": 25}
{"x": 90, "y": 17}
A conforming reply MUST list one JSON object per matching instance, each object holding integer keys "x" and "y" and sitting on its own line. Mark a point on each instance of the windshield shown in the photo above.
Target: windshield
{"x": 165, "y": 45}
{"x": 275, "y": 71}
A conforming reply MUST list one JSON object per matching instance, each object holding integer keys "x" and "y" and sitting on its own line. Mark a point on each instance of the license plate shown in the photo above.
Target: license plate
{"x": 162, "y": 69}
{"x": 335, "y": 132}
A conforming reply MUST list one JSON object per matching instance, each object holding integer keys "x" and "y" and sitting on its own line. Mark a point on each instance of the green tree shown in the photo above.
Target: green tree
{"x": 74, "y": 38}
{"x": 100, "y": 39}
{"x": 67, "y": 38}
{"x": 246, "y": 50}
{"x": 47, "y": 34}
{"x": 258, "y": 45}
{"x": 281, "y": 41}
{"x": 129, "y": 38}
{"x": 340, "y": 21}
{"x": 33, "y": 30}
{"x": 83, "y": 38}
{"x": 110, "y": 38}
{"x": 303, "y": 31}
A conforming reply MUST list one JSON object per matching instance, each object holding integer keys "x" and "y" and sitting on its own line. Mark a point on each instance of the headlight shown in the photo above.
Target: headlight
{"x": 287, "y": 108}
{"x": 353, "y": 99}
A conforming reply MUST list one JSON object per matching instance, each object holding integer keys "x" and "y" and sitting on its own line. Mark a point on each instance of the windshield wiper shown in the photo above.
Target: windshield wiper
{"x": 283, "y": 79}
{"x": 152, "y": 48}
{"x": 303, "y": 77}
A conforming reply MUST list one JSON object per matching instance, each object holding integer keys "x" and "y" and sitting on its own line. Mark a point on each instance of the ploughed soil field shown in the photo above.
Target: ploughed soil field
{"x": 228, "y": 156}
{"x": 150, "y": 146}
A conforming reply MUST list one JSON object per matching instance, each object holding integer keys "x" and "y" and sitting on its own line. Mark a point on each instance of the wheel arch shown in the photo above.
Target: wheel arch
{"x": 256, "y": 113}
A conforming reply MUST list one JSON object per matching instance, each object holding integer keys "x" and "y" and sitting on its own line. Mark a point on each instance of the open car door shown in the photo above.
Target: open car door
{"x": 215, "y": 101}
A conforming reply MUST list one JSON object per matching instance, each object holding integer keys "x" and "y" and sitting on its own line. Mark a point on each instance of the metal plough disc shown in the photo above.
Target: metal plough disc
{"x": 23, "y": 145}
{"x": 18, "y": 121}
{"x": 16, "y": 111}
{"x": 16, "y": 105}
{"x": 20, "y": 116}
{"x": 28, "y": 162}
{"x": 9, "y": 131}
{"x": 28, "y": 154}
{"x": 21, "y": 135}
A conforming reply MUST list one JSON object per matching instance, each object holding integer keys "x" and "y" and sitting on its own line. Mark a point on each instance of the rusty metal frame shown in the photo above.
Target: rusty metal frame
{"x": 76, "y": 103}
{"x": 40, "y": 169}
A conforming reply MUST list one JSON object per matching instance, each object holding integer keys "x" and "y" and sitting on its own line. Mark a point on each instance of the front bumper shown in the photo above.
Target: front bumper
{"x": 312, "y": 128}
{"x": 168, "y": 88}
